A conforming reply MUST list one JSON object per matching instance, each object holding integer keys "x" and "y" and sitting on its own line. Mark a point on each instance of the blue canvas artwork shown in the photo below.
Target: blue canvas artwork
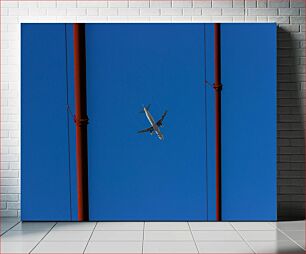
{"x": 151, "y": 134}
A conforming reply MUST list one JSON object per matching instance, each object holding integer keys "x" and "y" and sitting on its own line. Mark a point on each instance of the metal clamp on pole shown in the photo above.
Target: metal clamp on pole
{"x": 81, "y": 121}
{"x": 217, "y": 87}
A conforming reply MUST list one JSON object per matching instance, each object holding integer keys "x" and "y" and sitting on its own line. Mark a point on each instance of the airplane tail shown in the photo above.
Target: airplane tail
{"x": 147, "y": 107}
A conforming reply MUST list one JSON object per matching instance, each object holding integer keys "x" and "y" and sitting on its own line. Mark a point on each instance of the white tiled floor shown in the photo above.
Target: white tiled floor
{"x": 117, "y": 236}
{"x": 152, "y": 237}
{"x": 220, "y": 236}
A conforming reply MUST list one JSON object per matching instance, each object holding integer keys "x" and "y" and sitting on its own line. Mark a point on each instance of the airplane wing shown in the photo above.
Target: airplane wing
{"x": 146, "y": 130}
{"x": 160, "y": 121}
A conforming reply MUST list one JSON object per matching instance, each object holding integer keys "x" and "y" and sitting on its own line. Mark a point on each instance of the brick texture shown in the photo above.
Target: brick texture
{"x": 289, "y": 14}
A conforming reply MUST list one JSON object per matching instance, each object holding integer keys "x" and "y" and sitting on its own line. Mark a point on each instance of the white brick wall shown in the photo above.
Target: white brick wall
{"x": 290, "y": 14}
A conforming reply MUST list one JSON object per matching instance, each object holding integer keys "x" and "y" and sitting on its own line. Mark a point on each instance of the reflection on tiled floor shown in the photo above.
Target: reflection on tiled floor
{"x": 152, "y": 237}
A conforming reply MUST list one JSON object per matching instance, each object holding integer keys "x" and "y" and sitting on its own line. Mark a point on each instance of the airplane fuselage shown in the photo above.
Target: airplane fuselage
{"x": 153, "y": 124}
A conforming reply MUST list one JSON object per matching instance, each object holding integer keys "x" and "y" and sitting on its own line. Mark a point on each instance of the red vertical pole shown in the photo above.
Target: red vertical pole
{"x": 81, "y": 119}
{"x": 218, "y": 88}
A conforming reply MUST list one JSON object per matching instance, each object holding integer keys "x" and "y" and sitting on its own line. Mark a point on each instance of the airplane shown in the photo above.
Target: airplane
{"x": 154, "y": 125}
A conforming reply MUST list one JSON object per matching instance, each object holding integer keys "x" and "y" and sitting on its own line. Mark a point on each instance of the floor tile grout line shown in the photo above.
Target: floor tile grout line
{"x": 42, "y": 238}
{"x": 90, "y": 237}
{"x": 124, "y": 230}
{"x": 291, "y": 230}
{"x": 276, "y": 227}
{"x": 16, "y": 223}
{"x": 273, "y": 225}
{"x": 158, "y": 240}
{"x": 161, "y": 230}
{"x": 290, "y": 238}
{"x": 244, "y": 240}
{"x": 193, "y": 237}
{"x": 143, "y": 232}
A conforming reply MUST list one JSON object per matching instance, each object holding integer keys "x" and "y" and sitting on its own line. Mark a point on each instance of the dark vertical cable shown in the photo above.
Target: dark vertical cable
{"x": 67, "y": 104}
